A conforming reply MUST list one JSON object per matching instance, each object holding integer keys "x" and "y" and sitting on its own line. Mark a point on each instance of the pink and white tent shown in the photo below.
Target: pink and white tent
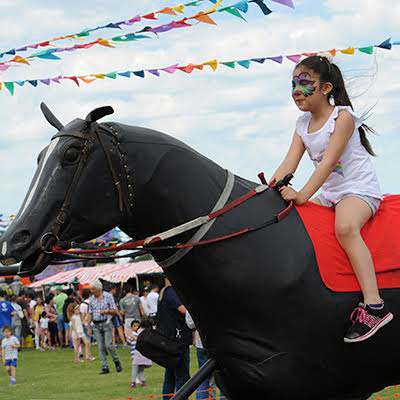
{"x": 108, "y": 272}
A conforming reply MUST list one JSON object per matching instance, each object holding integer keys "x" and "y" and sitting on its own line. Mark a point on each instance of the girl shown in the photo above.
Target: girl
{"x": 334, "y": 137}
{"x": 139, "y": 362}
{"x": 44, "y": 330}
{"x": 77, "y": 334}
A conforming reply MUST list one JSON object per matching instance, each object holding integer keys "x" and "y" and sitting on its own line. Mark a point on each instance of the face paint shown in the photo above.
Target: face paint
{"x": 302, "y": 83}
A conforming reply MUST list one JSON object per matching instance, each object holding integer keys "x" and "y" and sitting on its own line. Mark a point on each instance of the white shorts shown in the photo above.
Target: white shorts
{"x": 373, "y": 202}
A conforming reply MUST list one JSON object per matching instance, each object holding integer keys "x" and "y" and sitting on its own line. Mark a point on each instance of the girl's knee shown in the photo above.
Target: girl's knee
{"x": 346, "y": 230}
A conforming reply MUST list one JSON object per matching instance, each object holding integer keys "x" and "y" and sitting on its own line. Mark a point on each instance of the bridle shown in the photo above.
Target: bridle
{"x": 116, "y": 164}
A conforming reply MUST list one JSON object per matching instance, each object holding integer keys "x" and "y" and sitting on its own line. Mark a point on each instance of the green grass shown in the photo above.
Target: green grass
{"x": 53, "y": 375}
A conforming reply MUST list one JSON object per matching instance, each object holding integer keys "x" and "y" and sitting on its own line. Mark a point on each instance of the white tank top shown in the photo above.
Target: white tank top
{"x": 354, "y": 173}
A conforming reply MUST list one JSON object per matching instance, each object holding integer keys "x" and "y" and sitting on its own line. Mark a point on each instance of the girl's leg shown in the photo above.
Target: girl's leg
{"x": 13, "y": 372}
{"x": 135, "y": 369}
{"x": 351, "y": 215}
{"x": 141, "y": 375}
{"x": 76, "y": 349}
{"x": 87, "y": 348}
{"x": 8, "y": 368}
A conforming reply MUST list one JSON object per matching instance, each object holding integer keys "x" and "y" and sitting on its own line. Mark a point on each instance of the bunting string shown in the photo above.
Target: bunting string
{"x": 213, "y": 64}
{"x": 201, "y": 17}
{"x": 173, "y": 10}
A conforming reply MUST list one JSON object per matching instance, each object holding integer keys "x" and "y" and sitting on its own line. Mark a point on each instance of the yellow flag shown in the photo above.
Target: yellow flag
{"x": 179, "y": 8}
{"x": 350, "y": 50}
{"x": 1, "y": 86}
{"x": 100, "y": 76}
{"x": 213, "y": 64}
{"x": 104, "y": 42}
{"x": 214, "y": 7}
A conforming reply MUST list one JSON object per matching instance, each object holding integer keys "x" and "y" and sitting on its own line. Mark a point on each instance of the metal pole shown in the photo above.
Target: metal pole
{"x": 194, "y": 382}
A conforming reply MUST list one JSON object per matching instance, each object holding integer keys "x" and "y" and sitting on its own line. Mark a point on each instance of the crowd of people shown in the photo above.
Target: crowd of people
{"x": 78, "y": 319}
{"x": 99, "y": 316}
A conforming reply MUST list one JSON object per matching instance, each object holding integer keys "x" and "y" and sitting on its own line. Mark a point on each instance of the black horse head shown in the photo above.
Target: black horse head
{"x": 74, "y": 171}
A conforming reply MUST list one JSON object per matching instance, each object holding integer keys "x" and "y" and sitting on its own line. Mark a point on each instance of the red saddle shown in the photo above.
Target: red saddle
{"x": 381, "y": 234}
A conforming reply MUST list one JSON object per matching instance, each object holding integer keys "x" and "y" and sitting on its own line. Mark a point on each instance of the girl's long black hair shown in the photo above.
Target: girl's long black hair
{"x": 330, "y": 72}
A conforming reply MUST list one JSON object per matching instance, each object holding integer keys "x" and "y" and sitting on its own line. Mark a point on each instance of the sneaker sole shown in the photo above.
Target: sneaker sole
{"x": 384, "y": 322}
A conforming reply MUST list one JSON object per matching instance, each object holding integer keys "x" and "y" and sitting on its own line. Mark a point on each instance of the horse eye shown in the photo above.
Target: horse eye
{"x": 72, "y": 154}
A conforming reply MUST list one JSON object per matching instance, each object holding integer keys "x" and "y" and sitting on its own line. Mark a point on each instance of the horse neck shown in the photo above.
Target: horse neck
{"x": 179, "y": 186}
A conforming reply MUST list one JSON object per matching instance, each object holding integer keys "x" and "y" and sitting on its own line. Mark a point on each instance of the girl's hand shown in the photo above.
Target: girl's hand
{"x": 289, "y": 194}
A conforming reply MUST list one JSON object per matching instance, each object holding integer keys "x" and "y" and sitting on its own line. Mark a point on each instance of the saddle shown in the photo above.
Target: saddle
{"x": 381, "y": 235}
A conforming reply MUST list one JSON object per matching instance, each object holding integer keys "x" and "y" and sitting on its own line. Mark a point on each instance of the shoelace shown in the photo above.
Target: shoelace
{"x": 360, "y": 314}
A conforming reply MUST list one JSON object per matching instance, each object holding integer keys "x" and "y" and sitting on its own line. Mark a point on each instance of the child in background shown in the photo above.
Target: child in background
{"x": 77, "y": 333}
{"x": 10, "y": 346}
{"x": 139, "y": 362}
{"x": 44, "y": 331}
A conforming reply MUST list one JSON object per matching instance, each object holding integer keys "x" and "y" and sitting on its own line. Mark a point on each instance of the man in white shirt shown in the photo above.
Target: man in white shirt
{"x": 152, "y": 304}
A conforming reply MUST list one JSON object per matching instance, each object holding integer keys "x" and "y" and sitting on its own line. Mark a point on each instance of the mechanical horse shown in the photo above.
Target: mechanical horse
{"x": 272, "y": 327}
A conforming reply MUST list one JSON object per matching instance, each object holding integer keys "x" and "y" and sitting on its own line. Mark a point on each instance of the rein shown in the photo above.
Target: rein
{"x": 145, "y": 244}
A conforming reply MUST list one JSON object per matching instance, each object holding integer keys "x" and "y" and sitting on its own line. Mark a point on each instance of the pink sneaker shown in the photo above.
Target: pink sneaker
{"x": 133, "y": 385}
{"x": 142, "y": 384}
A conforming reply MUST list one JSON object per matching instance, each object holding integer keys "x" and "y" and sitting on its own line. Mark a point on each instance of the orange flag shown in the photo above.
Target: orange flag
{"x": 86, "y": 79}
{"x": 204, "y": 18}
{"x": 167, "y": 10}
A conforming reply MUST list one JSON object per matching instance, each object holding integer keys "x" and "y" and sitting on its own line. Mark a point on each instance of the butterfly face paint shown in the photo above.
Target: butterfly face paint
{"x": 303, "y": 84}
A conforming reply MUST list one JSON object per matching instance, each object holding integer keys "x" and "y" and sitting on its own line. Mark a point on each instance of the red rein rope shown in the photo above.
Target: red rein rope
{"x": 140, "y": 243}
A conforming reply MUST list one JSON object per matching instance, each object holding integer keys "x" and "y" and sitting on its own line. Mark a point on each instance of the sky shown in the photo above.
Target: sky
{"x": 241, "y": 118}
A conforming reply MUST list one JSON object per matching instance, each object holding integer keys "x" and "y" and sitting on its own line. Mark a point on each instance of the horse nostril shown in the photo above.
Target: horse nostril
{"x": 22, "y": 237}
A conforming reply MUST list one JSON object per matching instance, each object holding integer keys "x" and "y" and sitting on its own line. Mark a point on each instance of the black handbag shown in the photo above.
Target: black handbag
{"x": 159, "y": 348}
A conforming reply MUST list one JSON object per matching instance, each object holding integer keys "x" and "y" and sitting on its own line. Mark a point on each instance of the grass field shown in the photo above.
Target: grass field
{"x": 52, "y": 375}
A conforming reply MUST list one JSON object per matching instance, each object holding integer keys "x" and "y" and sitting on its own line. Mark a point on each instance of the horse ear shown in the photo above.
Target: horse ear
{"x": 50, "y": 117}
{"x": 98, "y": 113}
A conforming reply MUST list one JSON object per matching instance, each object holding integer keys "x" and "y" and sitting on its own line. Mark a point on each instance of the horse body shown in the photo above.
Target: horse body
{"x": 258, "y": 301}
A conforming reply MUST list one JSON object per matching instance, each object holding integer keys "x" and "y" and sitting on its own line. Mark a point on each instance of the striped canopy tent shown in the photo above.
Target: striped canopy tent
{"x": 109, "y": 272}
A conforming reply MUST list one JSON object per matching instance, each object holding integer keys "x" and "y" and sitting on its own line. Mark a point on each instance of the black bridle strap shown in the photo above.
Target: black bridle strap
{"x": 114, "y": 176}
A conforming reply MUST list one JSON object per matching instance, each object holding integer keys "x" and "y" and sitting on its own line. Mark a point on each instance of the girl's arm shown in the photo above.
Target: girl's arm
{"x": 340, "y": 137}
{"x": 292, "y": 159}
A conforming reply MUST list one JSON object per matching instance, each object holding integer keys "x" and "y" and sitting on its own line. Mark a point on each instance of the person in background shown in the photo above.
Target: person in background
{"x": 37, "y": 312}
{"x": 171, "y": 322}
{"x": 131, "y": 308}
{"x": 152, "y": 304}
{"x": 16, "y": 323}
{"x": 59, "y": 300}
{"x": 139, "y": 362}
{"x": 206, "y": 390}
{"x": 52, "y": 316}
{"x": 69, "y": 300}
{"x": 6, "y": 313}
{"x": 10, "y": 346}
{"x": 101, "y": 309}
{"x": 117, "y": 320}
{"x": 44, "y": 331}
{"x": 84, "y": 310}
{"x": 25, "y": 320}
{"x": 143, "y": 301}
{"x": 77, "y": 333}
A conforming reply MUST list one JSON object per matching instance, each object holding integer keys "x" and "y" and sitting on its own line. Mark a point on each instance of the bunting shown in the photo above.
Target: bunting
{"x": 203, "y": 16}
{"x": 188, "y": 69}
{"x": 173, "y": 10}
